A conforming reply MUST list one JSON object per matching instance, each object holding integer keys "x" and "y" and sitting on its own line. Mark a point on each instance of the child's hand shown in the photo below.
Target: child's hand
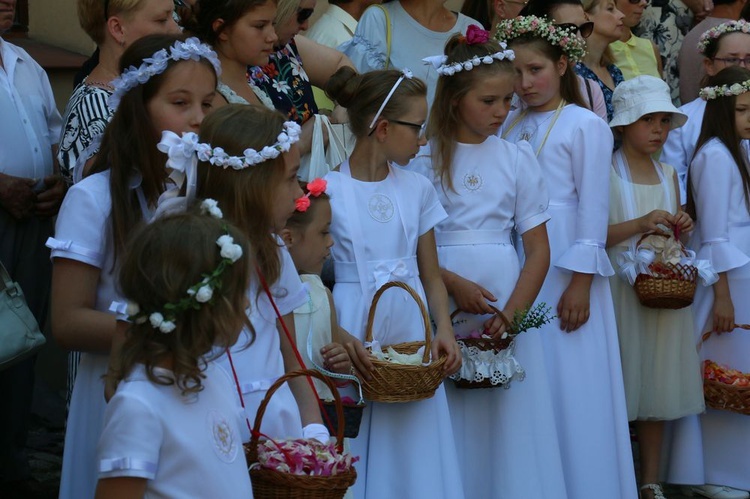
{"x": 469, "y": 296}
{"x": 445, "y": 344}
{"x": 357, "y": 352}
{"x": 684, "y": 222}
{"x": 649, "y": 223}
{"x": 495, "y": 326}
{"x": 336, "y": 359}
{"x": 573, "y": 308}
{"x": 723, "y": 312}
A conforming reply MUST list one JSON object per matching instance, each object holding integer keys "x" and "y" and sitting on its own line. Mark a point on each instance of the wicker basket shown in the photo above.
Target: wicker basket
{"x": 390, "y": 382}
{"x": 485, "y": 344}
{"x": 270, "y": 484}
{"x": 671, "y": 291}
{"x": 723, "y": 396}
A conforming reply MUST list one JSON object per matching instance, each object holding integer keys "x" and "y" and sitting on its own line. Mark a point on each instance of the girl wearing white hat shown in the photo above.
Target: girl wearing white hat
{"x": 660, "y": 365}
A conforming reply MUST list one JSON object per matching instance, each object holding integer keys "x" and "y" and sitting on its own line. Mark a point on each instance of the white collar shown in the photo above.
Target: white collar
{"x": 343, "y": 16}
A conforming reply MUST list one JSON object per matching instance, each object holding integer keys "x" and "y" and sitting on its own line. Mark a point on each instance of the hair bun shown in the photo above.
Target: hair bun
{"x": 342, "y": 86}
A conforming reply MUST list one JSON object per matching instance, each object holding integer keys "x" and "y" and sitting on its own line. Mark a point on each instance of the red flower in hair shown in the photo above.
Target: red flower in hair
{"x": 475, "y": 34}
{"x": 301, "y": 204}
{"x": 317, "y": 187}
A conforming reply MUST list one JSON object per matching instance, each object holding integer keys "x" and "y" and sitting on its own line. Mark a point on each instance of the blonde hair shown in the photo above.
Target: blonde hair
{"x": 285, "y": 10}
{"x": 92, "y": 18}
{"x": 588, "y": 6}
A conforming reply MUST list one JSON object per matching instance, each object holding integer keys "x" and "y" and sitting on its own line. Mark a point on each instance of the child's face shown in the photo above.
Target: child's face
{"x": 733, "y": 48}
{"x": 648, "y": 134}
{"x": 287, "y": 191}
{"x": 183, "y": 99}
{"x": 742, "y": 115}
{"x": 312, "y": 243}
{"x": 538, "y": 81}
{"x": 484, "y": 108}
{"x": 250, "y": 40}
{"x": 406, "y": 133}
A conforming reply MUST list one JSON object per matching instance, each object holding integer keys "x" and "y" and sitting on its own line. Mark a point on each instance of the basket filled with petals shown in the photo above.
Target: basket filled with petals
{"x": 488, "y": 362}
{"x": 299, "y": 468}
{"x": 403, "y": 372}
{"x": 725, "y": 388}
{"x": 670, "y": 279}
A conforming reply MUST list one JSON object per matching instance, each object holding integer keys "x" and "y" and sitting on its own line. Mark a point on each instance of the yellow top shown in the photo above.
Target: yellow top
{"x": 635, "y": 57}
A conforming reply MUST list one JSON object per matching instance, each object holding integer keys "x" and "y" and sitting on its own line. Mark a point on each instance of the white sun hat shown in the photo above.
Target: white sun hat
{"x": 640, "y": 96}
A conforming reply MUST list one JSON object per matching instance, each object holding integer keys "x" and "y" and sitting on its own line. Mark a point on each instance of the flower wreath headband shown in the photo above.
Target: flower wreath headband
{"x": 197, "y": 294}
{"x": 184, "y": 152}
{"x": 734, "y": 89}
{"x": 189, "y": 50}
{"x": 474, "y": 35}
{"x": 716, "y": 32}
{"x": 571, "y": 44}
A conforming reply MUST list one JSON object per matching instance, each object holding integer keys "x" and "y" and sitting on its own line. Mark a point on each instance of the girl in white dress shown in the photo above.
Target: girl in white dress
{"x": 659, "y": 360}
{"x": 383, "y": 219}
{"x": 172, "y": 429}
{"x": 574, "y": 147}
{"x": 506, "y": 439}
{"x": 99, "y": 213}
{"x": 712, "y": 448}
{"x": 248, "y": 163}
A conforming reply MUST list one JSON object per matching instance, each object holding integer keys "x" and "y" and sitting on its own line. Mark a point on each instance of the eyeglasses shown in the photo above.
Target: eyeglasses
{"x": 734, "y": 61}
{"x": 585, "y": 29}
{"x": 303, "y": 15}
{"x": 416, "y": 126}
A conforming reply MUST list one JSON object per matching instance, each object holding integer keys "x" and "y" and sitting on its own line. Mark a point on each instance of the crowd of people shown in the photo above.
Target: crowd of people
{"x": 166, "y": 227}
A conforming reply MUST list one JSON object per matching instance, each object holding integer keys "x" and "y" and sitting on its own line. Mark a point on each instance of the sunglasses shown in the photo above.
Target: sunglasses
{"x": 303, "y": 15}
{"x": 584, "y": 29}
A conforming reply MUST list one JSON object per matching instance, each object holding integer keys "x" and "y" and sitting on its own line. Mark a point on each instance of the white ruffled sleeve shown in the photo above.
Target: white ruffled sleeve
{"x": 532, "y": 198}
{"x": 590, "y": 163}
{"x": 131, "y": 439}
{"x": 711, "y": 180}
{"x": 367, "y": 49}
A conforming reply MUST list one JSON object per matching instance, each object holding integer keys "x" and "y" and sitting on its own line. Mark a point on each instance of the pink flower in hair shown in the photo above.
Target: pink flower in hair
{"x": 315, "y": 187}
{"x": 475, "y": 34}
{"x": 301, "y": 204}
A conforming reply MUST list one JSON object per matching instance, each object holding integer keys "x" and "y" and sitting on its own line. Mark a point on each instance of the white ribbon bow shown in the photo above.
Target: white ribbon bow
{"x": 634, "y": 263}
{"x": 182, "y": 157}
{"x": 390, "y": 271}
{"x": 435, "y": 60}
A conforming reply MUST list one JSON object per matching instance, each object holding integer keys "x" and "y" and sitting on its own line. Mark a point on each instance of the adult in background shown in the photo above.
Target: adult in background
{"x": 691, "y": 61}
{"x": 635, "y": 56}
{"x": 30, "y": 194}
{"x": 419, "y": 29}
{"x": 286, "y": 79}
{"x": 113, "y": 25}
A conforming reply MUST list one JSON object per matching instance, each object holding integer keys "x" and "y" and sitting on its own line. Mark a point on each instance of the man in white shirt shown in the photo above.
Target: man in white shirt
{"x": 31, "y": 191}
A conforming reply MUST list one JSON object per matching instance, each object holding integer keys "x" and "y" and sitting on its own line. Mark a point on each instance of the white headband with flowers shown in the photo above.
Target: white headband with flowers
{"x": 714, "y": 33}
{"x": 475, "y": 35}
{"x": 189, "y": 50}
{"x": 565, "y": 38}
{"x": 708, "y": 93}
{"x": 197, "y": 294}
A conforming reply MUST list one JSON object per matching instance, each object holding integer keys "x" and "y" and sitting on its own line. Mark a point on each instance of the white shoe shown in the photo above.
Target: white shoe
{"x": 719, "y": 492}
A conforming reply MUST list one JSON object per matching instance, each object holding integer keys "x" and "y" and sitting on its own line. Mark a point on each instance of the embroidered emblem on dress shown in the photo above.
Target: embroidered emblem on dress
{"x": 225, "y": 441}
{"x": 472, "y": 181}
{"x": 380, "y": 207}
{"x": 527, "y": 133}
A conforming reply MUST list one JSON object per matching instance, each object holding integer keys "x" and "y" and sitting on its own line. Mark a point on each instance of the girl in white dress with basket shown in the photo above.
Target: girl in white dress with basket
{"x": 574, "y": 147}
{"x": 713, "y": 448}
{"x": 659, "y": 361}
{"x": 383, "y": 219}
{"x": 506, "y": 438}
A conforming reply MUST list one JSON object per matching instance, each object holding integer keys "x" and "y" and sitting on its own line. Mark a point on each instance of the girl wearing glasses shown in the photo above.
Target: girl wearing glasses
{"x": 634, "y": 55}
{"x": 582, "y": 355}
{"x": 382, "y": 225}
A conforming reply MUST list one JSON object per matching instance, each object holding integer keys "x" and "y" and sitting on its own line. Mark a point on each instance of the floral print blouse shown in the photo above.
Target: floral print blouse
{"x": 286, "y": 83}
{"x": 614, "y": 72}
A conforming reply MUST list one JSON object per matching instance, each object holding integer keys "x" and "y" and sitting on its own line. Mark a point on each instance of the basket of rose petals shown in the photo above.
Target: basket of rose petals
{"x": 488, "y": 362}
{"x": 670, "y": 279}
{"x": 403, "y": 372}
{"x": 353, "y": 411}
{"x": 725, "y": 388}
{"x": 299, "y": 468}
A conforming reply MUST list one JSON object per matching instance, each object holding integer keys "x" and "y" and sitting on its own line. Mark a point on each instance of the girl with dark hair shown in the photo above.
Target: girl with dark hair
{"x": 99, "y": 213}
{"x": 574, "y": 149}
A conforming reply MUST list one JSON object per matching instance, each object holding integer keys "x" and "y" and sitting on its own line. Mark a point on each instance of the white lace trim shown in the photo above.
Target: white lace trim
{"x": 478, "y": 365}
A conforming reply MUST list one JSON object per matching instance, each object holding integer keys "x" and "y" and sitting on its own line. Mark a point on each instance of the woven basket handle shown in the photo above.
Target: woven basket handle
{"x": 422, "y": 309}
{"x": 497, "y": 312}
{"x": 255, "y": 435}
{"x": 708, "y": 334}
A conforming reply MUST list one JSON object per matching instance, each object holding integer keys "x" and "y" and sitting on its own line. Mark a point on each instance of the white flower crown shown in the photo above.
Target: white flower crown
{"x": 572, "y": 45}
{"x": 714, "y": 33}
{"x": 439, "y": 62}
{"x": 189, "y": 50}
{"x": 709, "y": 93}
{"x": 197, "y": 294}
